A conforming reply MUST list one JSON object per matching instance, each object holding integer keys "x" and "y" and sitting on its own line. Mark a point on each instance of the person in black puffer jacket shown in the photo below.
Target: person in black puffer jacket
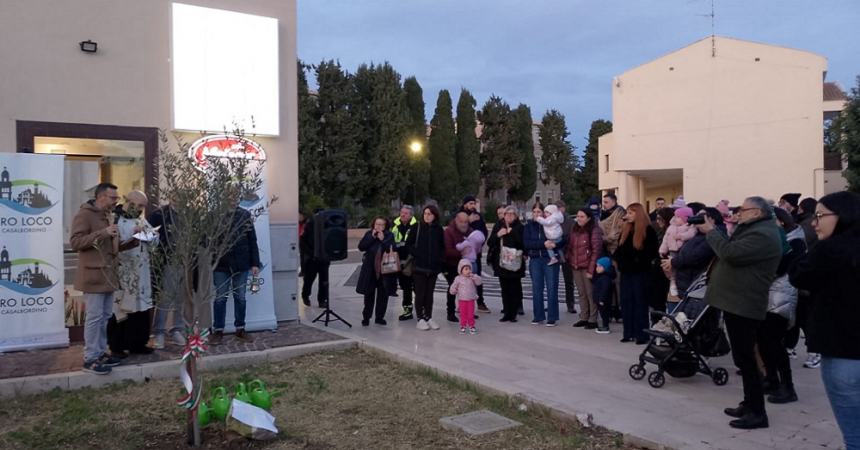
{"x": 426, "y": 244}
{"x": 831, "y": 273}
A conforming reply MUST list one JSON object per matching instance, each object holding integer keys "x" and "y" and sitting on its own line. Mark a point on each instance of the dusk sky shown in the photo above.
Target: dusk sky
{"x": 559, "y": 54}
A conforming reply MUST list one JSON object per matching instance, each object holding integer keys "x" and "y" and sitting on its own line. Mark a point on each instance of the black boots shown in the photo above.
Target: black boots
{"x": 746, "y": 418}
{"x": 784, "y": 394}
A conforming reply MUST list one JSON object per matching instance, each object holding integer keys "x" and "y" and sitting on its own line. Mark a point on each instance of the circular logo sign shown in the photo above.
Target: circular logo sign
{"x": 224, "y": 146}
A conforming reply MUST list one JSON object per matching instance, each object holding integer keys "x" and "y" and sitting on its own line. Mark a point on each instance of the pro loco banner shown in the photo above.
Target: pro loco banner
{"x": 31, "y": 252}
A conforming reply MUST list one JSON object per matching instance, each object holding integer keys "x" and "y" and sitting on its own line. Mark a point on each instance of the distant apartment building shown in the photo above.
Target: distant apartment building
{"x": 721, "y": 119}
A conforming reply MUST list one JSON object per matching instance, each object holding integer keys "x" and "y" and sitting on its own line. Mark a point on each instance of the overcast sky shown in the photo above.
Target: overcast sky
{"x": 559, "y": 54}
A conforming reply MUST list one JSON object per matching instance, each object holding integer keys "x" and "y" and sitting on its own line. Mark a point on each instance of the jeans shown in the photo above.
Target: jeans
{"x": 842, "y": 382}
{"x": 99, "y": 310}
{"x": 742, "y": 333}
{"x": 170, "y": 300}
{"x": 544, "y": 276}
{"x": 224, "y": 284}
{"x": 634, "y": 304}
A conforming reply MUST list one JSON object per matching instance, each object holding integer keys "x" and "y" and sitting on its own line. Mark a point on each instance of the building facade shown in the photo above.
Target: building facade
{"x": 719, "y": 119}
{"x": 96, "y": 80}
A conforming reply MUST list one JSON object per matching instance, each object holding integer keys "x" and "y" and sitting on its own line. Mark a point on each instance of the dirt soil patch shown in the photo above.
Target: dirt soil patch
{"x": 332, "y": 400}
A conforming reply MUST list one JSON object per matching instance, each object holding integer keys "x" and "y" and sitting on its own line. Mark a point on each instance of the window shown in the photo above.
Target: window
{"x": 537, "y": 196}
{"x": 606, "y": 163}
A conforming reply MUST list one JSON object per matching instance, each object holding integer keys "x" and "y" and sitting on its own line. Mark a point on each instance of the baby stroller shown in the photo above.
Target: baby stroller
{"x": 680, "y": 341}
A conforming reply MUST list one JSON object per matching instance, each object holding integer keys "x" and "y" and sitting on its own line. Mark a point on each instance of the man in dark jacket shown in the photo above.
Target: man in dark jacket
{"x": 400, "y": 230}
{"x": 455, "y": 233}
{"x": 312, "y": 266}
{"x": 739, "y": 285}
{"x": 476, "y": 222}
{"x": 231, "y": 274}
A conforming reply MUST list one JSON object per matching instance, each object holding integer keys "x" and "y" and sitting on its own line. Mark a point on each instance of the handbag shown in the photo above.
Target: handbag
{"x": 390, "y": 263}
{"x": 406, "y": 266}
{"x": 511, "y": 259}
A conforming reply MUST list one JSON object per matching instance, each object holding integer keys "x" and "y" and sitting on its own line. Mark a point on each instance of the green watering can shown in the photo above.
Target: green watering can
{"x": 220, "y": 403}
{"x": 242, "y": 393}
{"x": 259, "y": 396}
{"x": 204, "y": 415}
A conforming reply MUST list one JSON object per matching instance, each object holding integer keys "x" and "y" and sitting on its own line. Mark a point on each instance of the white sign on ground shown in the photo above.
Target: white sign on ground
{"x": 31, "y": 252}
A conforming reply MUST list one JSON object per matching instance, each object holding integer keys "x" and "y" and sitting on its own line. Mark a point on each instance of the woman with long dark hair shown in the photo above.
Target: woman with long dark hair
{"x": 508, "y": 233}
{"x": 426, "y": 244}
{"x": 584, "y": 248}
{"x": 636, "y": 254}
{"x": 830, "y": 271}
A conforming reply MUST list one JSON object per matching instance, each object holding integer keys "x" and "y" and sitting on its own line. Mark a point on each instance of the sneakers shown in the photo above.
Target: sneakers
{"x": 483, "y": 308}
{"x": 813, "y": 361}
{"x": 158, "y": 341}
{"x": 602, "y": 330}
{"x": 462, "y": 330}
{"x": 178, "y": 338}
{"x": 109, "y": 360}
{"x": 473, "y": 330}
{"x": 551, "y": 323}
{"x": 432, "y": 324}
{"x": 423, "y": 325}
{"x": 95, "y": 368}
{"x": 537, "y": 322}
{"x": 552, "y": 261}
{"x": 405, "y": 316}
{"x": 792, "y": 353}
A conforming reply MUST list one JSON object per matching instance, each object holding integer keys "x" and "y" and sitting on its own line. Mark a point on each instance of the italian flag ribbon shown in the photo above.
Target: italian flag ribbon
{"x": 195, "y": 347}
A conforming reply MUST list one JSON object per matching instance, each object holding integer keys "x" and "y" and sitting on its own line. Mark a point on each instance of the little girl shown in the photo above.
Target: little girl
{"x": 679, "y": 231}
{"x": 552, "y": 221}
{"x": 465, "y": 287}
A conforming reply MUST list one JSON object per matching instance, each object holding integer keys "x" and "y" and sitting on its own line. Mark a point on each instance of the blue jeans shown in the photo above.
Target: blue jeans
{"x": 544, "y": 276}
{"x": 842, "y": 382}
{"x": 226, "y": 283}
{"x": 99, "y": 310}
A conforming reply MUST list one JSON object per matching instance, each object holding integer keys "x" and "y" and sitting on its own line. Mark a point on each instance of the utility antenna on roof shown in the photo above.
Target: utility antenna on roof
{"x": 713, "y": 17}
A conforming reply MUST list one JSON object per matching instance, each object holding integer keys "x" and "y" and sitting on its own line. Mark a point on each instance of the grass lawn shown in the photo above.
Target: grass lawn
{"x": 334, "y": 400}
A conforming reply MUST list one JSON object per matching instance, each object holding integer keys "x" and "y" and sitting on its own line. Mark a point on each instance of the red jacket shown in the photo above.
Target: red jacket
{"x": 452, "y": 238}
{"x": 584, "y": 249}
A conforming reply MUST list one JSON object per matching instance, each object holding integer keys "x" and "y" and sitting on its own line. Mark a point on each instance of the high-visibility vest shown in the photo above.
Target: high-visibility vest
{"x": 395, "y": 230}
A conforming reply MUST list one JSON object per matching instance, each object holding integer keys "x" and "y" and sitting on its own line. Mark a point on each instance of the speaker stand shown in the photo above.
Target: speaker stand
{"x": 328, "y": 313}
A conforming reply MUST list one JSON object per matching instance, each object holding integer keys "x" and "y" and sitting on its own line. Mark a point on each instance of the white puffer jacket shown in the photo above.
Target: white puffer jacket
{"x": 782, "y": 298}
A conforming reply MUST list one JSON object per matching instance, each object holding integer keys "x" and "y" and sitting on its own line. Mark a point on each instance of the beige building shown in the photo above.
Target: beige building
{"x": 720, "y": 119}
{"x": 95, "y": 80}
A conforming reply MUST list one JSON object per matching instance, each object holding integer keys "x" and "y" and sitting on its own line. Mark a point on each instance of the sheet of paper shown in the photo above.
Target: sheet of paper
{"x": 253, "y": 416}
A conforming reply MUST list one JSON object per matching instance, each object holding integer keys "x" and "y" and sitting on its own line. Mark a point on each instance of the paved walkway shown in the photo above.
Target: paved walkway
{"x": 61, "y": 360}
{"x": 579, "y": 371}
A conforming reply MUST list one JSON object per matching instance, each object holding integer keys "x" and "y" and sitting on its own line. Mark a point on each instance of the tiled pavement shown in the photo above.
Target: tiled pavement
{"x": 51, "y": 361}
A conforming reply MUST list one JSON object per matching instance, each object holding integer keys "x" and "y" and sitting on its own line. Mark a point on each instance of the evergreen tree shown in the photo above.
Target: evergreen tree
{"x": 443, "y": 177}
{"x": 310, "y": 156}
{"x": 843, "y": 136}
{"x": 343, "y": 171}
{"x": 524, "y": 142}
{"x": 385, "y": 121}
{"x": 559, "y": 160}
{"x": 588, "y": 177}
{"x": 419, "y": 174}
{"x": 501, "y": 161}
{"x": 468, "y": 146}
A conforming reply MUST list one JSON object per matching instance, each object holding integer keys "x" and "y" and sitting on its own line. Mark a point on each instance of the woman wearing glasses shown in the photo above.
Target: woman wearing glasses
{"x": 831, "y": 272}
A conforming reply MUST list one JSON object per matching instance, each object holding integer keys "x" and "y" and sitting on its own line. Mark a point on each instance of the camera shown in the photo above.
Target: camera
{"x": 696, "y": 220}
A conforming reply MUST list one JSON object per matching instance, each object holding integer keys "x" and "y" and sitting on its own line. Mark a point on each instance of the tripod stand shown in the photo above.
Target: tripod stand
{"x": 328, "y": 313}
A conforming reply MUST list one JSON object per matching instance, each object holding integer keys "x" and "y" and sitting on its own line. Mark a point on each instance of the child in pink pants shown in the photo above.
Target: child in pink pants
{"x": 465, "y": 287}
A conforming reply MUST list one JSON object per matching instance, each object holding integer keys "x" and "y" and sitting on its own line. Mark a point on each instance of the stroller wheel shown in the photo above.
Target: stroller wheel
{"x": 656, "y": 379}
{"x": 637, "y": 371}
{"x": 720, "y": 376}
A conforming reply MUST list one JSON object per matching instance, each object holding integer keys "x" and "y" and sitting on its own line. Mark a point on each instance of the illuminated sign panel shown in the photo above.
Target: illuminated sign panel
{"x": 225, "y": 70}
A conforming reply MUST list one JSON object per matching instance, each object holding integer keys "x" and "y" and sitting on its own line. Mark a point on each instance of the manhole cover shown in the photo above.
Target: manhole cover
{"x": 477, "y": 423}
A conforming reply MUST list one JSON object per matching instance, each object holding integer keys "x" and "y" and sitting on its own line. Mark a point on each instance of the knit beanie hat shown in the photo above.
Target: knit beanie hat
{"x": 469, "y": 198}
{"x": 605, "y": 262}
{"x": 679, "y": 202}
{"x": 684, "y": 213}
{"x": 463, "y": 263}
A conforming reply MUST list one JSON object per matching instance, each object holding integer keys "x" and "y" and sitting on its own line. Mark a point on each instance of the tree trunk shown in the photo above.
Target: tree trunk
{"x": 192, "y": 423}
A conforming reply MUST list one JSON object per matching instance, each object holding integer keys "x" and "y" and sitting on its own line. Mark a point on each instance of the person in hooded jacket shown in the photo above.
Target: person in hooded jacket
{"x": 426, "y": 244}
{"x": 372, "y": 283}
{"x": 830, "y": 271}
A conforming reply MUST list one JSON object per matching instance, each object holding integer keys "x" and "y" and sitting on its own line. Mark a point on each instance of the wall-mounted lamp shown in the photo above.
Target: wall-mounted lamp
{"x": 89, "y": 46}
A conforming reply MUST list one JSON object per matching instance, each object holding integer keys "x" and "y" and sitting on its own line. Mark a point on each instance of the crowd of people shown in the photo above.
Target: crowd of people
{"x": 122, "y": 285}
{"x": 775, "y": 269}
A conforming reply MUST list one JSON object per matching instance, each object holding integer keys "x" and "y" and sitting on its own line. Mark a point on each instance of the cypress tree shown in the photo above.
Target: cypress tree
{"x": 468, "y": 146}
{"x": 419, "y": 173}
{"x": 559, "y": 161}
{"x": 588, "y": 177}
{"x": 310, "y": 164}
{"x": 501, "y": 162}
{"x": 524, "y": 146}
{"x": 443, "y": 177}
